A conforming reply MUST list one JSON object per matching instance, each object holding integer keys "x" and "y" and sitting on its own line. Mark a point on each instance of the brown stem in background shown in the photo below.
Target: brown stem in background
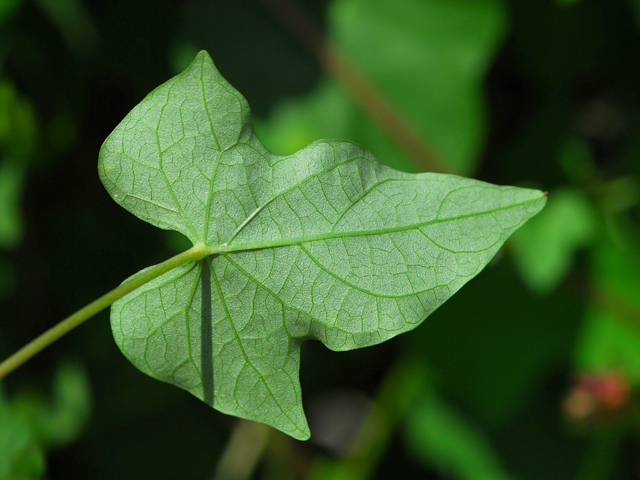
{"x": 598, "y": 295}
{"x": 615, "y": 305}
{"x": 337, "y": 64}
{"x": 401, "y": 386}
{"x": 243, "y": 451}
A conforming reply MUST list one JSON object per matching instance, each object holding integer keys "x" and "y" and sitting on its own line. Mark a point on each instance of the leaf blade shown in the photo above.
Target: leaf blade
{"x": 327, "y": 244}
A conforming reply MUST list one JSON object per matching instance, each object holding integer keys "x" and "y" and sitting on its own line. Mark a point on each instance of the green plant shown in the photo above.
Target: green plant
{"x": 32, "y": 423}
{"x": 325, "y": 244}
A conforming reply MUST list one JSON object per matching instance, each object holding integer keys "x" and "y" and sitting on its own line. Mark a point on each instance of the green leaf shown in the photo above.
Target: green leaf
{"x": 440, "y": 437}
{"x": 610, "y": 336}
{"x": 20, "y": 457}
{"x": 12, "y": 174}
{"x": 31, "y": 423}
{"x": 7, "y": 8}
{"x": 427, "y": 57}
{"x": 18, "y": 133}
{"x": 544, "y": 248}
{"x": 74, "y": 23}
{"x": 325, "y": 244}
{"x": 18, "y": 127}
{"x": 65, "y": 419}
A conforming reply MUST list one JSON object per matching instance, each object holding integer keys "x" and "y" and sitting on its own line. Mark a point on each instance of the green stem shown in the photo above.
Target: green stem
{"x": 65, "y": 326}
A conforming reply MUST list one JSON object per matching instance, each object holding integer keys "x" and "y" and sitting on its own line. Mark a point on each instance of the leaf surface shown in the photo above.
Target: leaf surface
{"x": 325, "y": 244}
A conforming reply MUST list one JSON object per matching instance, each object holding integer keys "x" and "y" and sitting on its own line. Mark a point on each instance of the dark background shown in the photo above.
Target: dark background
{"x": 529, "y": 372}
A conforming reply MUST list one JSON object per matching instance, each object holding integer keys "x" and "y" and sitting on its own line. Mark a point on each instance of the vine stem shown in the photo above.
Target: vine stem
{"x": 196, "y": 252}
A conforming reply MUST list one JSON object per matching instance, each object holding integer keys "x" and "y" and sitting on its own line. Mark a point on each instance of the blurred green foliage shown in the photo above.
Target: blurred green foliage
{"x": 536, "y": 363}
{"x": 73, "y": 22}
{"x": 11, "y": 178}
{"x": 544, "y": 248}
{"x": 17, "y": 143}
{"x": 444, "y": 440}
{"x": 610, "y": 336}
{"x": 427, "y": 58}
{"x": 31, "y": 423}
{"x": 7, "y": 8}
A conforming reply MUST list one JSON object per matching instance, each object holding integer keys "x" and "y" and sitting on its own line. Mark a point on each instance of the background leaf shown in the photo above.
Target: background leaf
{"x": 31, "y": 423}
{"x": 17, "y": 144}
{"x": 11, "y": 179}
{"x": 427, "y": 58}
{"x": 610, "y": 337}
{"x": 441, "y": 438}
{"x": 545, "y": 247}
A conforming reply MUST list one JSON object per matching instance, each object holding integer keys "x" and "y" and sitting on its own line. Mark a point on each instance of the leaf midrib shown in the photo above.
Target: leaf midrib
{"x": 285, "y": 242}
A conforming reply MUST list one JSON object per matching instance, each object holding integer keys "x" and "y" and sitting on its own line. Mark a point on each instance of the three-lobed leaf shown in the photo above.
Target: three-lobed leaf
{"x": 326, "y": 244}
